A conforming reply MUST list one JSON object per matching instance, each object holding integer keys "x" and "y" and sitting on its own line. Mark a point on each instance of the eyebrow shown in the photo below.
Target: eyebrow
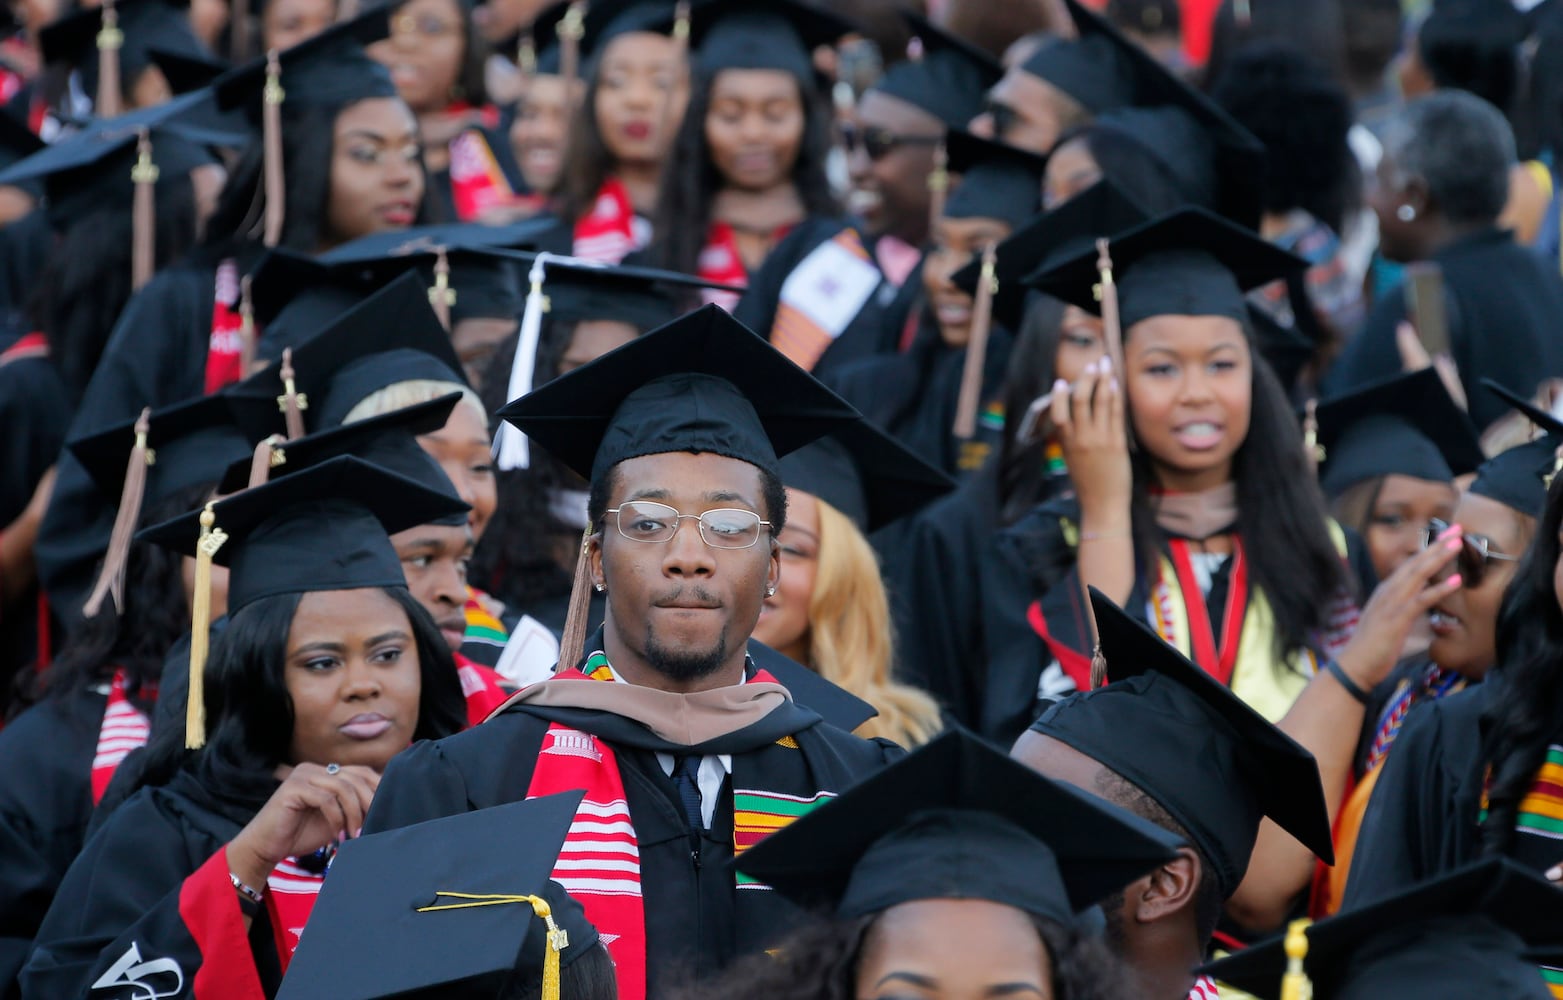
{"x": 372, "y": 136}
{"x": 327, "y": 646}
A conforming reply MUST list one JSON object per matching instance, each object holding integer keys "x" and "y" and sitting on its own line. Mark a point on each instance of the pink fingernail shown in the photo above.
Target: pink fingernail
{"x": 1113, "y": 383}
{"x": 1453, "y": 544}
{"x": 1450, "y": 532}
{"x": 1453, "y": 581}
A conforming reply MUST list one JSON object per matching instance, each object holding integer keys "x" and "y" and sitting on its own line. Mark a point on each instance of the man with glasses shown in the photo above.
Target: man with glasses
{"x": 687, "y": 751}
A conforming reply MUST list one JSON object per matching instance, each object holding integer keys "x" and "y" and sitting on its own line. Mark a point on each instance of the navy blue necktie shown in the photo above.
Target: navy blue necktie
{"x": 686, "y": 777}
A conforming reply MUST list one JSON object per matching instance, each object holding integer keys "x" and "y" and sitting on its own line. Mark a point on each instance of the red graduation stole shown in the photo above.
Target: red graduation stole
{"x": 125, "y": 728}
{"x": 225, "y": 347}
{"x": 608, "y": 232}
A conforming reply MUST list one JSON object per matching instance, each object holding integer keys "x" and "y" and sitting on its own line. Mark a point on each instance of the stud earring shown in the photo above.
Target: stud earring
{"x": 770, "y": 591}
{"x": 1405, "y": 213}
{"x": 601, "y": 587}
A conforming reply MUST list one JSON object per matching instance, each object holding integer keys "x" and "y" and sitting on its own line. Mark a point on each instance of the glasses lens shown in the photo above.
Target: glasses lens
{"x": 644, "y": 521}
{"x": 730, "y": 528}
{"x": 878, "y": 143}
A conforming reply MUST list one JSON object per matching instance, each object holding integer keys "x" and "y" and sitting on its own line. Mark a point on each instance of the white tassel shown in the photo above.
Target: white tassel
{"x": 512, "y": 449}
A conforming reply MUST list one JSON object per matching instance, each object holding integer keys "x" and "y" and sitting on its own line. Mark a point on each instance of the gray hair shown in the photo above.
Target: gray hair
{"x": 1461, "y": 147}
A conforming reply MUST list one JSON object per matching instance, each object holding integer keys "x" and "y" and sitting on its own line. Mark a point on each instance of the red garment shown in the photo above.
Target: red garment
{"x": 290, "y": 898}
{"x": 225, "y": 347}
{"x": 125, "y": 728}
{"x": 720, "y": 262}
{"x": 209, "y": 908}
{"x": 611, "y": 230}
{"x": 483, "y": 687}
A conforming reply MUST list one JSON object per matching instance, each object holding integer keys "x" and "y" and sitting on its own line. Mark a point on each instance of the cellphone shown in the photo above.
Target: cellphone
{"x": 1034, "y": 424}
{"x": 1425, "y": 306}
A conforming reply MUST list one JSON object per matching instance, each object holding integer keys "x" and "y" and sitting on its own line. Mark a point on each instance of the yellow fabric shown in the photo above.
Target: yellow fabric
{"x": 1347, "y": 827}
{"x": 1541, "y": 175}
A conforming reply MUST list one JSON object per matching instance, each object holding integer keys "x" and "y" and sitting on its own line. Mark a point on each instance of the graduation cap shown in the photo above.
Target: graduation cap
{"x": 951, "y": 78}
{"x": 469, "y": 276}
{"x": 1407, "y": 425}
{"x": 325, "y": 528}
{"x": 1094, "y": 70}
{"x": 1216, "y": 162}
{"x": 1463, "y": 933}
{"x": 1187, "y": 263}
{"x": 570, "y": 290}
{"x": 329, "y": 70}
{"x": 763, "y": 34}
{"x": 1285, "y": 349}
{"x": 143, "y": 461}
{"x": 1101, "y": 210}
{"x": 997, "y": 181}
{"x": 388, "y": 441}
{"x": 122, "y": 34}
{"x": 1520, "y": 477}
{"x": 606, "y": 20}
{"x": 468, "y": 908}
{"x": 958, "y": 820}
{"x": 1214, "y": 764}
{"x": 865, "y": 474}
{"x": 186, "y": 71}
{"x": 391, "y": 336}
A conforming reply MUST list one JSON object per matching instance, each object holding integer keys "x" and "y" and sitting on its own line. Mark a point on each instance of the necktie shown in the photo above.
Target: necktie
{"x": 686, "y": 778}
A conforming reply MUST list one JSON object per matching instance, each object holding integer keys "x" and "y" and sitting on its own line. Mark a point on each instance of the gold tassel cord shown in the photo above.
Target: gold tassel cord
{"x": 970, "y": 397}
{"x": 292, "y": 402}
{"x": 1295, "y": 984}
{"x": 212, "y": 539}
{"x": 938, "y": 185}
{"x": 271, "y": 138}
{"x": 571, "y": 29}
{"x": 1112, "y": 330}
{"x": 268, "y": 455}
{"x": 558, "y": 937}
{"x": 111, "y": 578}
{"x": 246, "y": 327}
{"x": 143, "y": 180}
{"x": 442, "y": 297}
{"x": 110, "y": 40}
{"x": 1311, "y": 446}
{"x": 572, "y": 641}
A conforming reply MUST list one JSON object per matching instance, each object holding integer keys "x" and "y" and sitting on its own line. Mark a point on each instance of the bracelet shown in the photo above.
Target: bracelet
{"x": 245, "y": 890}
{"x": 1344, "y": 680}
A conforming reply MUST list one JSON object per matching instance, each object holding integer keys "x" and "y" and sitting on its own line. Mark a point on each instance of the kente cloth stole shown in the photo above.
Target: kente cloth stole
{"x": 291, "y": 889}
{"x": 610, "y": 231}
{"x": 477, "y": 183}
{"x": 1540, "y": 815}
{"x": 225, "y": 346}
{"x": 600, "y": 862}
{"x": 821, "y": 297}
{"x": 125, "y": 728}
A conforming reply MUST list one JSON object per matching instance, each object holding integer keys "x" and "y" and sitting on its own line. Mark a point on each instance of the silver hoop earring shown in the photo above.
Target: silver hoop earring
{"x": 1405, "y": 213}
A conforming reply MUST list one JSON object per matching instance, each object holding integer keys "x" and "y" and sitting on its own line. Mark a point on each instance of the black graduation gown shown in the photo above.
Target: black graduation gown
{"x": 874, "y": 330}
{"x": 1503, "y": 306}
{"x": 25, "y": 246}
{"x": 1422, "y": 819}
{"x": 914, "y": 395}
{"x": 149, "y": 901}
{"x": 34, "y": 410}
{"x": 695, "y": 922}
{"x": 155, "y": 356}
{"x": 46, "y": 758}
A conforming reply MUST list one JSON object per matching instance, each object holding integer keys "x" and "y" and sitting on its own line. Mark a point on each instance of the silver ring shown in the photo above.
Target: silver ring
{"x": 333, "y": 768}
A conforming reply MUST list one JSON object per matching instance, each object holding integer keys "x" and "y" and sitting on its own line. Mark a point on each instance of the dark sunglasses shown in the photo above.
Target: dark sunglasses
{"x": 1474, "y": 555}
{"x": 878, "y": 142}
{"x": 1002, "y": 116}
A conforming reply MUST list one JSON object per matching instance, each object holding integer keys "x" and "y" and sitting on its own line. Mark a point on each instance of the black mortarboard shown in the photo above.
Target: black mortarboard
{"x": 702, "y": 383}
{"x": 329, "y": 69}
{"x": 1407, "y": 425}
{"x": 1216, "y": 162}
{"x": 762, "y": 34}
{"x": 384, "y": 927}
{"x": 1463, "y": 933}
{"x": 958, "y": 820}
{"x": 865, "y": 474}
{"x": 541, "y": 55}
{"x": 325, "y": 528}
{"x": 1520, "y": 477}
{"x": 186, "y": 71}
{"x": 608, "y": 19}
{"x": 1214, "y": 764}
{"x": 192, "y": 442}
{"x": 91, "y": 169}
{"x": 388, "y": 440}
{"x": 1187, "y": 263}
{"x": 997, "y": 181}
{"x": 143, "y": 25}
{"x": 1091, "y": 70}
{"x": 391, "y": 336}
{"x": 950, "y": 79}
{"x": 1101, "y": 210}
{"x": 293, "y": 297}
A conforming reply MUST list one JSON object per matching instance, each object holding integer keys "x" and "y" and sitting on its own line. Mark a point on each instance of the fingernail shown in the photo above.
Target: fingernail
{"x": 1113, "y": 383}
{"x": 1060, "y": 386}
{"x": 1449, "y": 532}
{"x": 358, "y": 833}
{"x": 1453, "y": 581}
{"x": 1554, "y": 873}
{"x": 1453, "y": 544}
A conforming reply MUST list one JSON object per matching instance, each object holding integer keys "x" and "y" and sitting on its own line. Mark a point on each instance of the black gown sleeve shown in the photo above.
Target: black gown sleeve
{"x": 421, "y": 783}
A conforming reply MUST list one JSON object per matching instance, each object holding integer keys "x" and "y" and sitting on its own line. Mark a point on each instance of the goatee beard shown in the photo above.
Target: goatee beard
{"x": 685, "y": 666}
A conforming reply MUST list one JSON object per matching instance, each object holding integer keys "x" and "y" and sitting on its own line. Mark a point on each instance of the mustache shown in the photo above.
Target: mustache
{"x": 685, "y": 597}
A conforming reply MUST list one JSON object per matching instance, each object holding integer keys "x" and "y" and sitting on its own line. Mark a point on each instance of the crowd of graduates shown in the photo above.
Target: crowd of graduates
{"x": 683, "y": 499}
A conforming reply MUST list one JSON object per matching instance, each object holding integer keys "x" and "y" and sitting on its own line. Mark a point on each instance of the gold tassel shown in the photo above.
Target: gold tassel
{"x": 271, "y": 138}
{"x": 1295, "y": 984}
{"x": 572, "y": 642}
{"x": 111, "y": 578}
{"x": 938, "y": 185}
{"x": 246, "y": 327}
{"x": 558, "y": 937}
{"x": 292, "y": 403}
{"x": 268, "y": 455}
{"x": 143, "y": 245}
{"x": 977, "y": 348}
{"x": 442, "y": 297}
{"x": 212, "y": 538}
{"x": 110, "y": 40}
{"x": 1112, "y": 330}
{"x": 571, "y": 29}
{"x": 526, "y": 57}
{"x": 1311, "y": 446}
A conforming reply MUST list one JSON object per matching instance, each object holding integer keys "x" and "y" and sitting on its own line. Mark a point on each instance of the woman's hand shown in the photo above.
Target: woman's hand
{"x": 313, "y": 807}
{"x": 1394, "y": 608}
{"x": 1089, "y": 417}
